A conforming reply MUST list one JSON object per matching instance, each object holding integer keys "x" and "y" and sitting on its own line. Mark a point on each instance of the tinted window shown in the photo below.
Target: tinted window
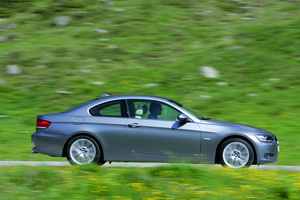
{"x": 113, "y": 109}
{"x": 147, "y": 109}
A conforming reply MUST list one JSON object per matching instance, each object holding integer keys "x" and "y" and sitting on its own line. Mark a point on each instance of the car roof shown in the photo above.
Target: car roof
{"x": 144, "y": 97}
{"x": 85, "y": 106}
{"x": 134, "y": 97}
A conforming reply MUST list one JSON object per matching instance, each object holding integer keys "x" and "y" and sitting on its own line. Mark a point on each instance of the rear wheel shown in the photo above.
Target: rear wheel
{"x": 236, "y": 153}
{"x": 82, "y": 150}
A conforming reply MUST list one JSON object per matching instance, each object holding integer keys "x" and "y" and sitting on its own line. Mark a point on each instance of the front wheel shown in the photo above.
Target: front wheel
{"x": 83, "y": 150}
{"x": 236, "y": 153}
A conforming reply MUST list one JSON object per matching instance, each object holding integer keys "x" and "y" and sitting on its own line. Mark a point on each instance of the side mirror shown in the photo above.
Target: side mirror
{"x": 183, "y": 118}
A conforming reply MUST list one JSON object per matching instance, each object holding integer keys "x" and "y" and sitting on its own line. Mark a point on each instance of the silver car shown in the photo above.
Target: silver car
{"x": 149, "y": 129}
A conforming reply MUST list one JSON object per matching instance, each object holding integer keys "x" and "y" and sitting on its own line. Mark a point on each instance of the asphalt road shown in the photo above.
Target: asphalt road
{"x": 132, "y": 164}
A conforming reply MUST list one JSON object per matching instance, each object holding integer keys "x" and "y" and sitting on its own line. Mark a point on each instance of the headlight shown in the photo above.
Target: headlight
{"x": 264, "y": 138}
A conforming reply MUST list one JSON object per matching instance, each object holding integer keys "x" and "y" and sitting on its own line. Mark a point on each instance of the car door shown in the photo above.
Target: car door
{"x": 107, "y": 122}
{"x": 163, "y": 135}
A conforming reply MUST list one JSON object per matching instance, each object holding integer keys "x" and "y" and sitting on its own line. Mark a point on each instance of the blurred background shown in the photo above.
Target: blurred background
{"x": 230, "y": 60}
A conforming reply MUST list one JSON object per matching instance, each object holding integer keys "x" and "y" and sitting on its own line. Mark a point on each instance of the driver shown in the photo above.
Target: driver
{"x": 155, "y": 110}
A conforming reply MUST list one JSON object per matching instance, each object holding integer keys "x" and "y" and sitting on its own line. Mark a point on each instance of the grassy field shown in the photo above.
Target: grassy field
{"x": 168, "y": 182}
{"x": 151, "y": 48}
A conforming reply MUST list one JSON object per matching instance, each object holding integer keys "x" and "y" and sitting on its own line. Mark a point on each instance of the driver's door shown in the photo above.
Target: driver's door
{"x": 164, "y": 135}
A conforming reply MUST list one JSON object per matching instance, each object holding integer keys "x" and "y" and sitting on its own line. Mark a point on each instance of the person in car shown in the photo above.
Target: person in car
{"x": 155, "y": 110}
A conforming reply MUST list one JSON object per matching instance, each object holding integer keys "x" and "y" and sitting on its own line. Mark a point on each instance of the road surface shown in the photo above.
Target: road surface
{"x": 132, "y": 164}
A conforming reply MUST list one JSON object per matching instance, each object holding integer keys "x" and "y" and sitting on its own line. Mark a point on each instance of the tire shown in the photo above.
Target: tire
{"x": 82, "y": 150}
{"x": 236, "y": 153}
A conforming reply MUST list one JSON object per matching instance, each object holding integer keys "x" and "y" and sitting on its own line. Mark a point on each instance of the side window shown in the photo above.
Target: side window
{"x": 113, "y": 109}
{"x": 168, "y": 113}
{"x": 147, "y": 109}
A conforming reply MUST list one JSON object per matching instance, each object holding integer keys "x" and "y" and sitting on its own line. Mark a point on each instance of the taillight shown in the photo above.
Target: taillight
{"x": 42, "y": 124}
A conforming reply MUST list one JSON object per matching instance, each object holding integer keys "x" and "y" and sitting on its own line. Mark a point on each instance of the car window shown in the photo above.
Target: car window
{"x": 147, "y": 109}
{"x": 113, "y": 109}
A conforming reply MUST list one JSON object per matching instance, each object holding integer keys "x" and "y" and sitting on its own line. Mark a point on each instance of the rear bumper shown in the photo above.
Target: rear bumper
{"x": 49, "y": 144}
{"x": 33, "y": 150}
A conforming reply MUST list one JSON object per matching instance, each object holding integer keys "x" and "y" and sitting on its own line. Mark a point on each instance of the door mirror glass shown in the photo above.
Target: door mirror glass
{"x": 184, "y": 118}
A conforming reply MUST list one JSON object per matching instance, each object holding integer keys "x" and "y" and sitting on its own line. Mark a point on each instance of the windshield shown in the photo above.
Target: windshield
{"x": 189, "y": 110}
{"x": 193, "y": 112}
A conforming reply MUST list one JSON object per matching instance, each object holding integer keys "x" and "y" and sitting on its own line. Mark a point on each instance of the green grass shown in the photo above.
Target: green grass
{"x": 167, "y": 182}
{"x": 254, "y": 45}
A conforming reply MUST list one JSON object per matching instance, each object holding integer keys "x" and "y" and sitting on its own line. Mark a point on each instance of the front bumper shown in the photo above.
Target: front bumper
{"x": 267, "y": 153}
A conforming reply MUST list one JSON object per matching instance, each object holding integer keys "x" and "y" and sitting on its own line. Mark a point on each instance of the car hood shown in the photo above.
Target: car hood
{"x": 235, "y": 125}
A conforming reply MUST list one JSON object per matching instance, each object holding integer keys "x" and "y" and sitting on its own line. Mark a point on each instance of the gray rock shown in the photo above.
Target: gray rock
{"x": 274, "y": 79}
{"x": 11, "y": 26}
{"x": 101, "y": 31}
{"x": 252, "y": 95}
{"x": 97, "y": 83}
{"x": 87, "y": 71}
{"x": 205, "y": 12}
{"x": 3, "y": 38}
{"x": 236, "y": 47}
{"x": 205, "y": 96}
{"x": 13, "y": 69}
{"x": 107, "y": 3}
{"x": 119, "y": 9}
{"x": 63, "y": 92}
{"x": 104, "y": 39}
{"x": 248, "y": 7}
{"x": 23, "y": 131}
{"x": 88, "y": 66}
{"x": 112, "y": 46}
{"x": 88, "y": 23}
{"x": 2, "y": 81}
{"x": 247, "y": 18}
{"x": 149, "y": 85}
{"x": 187, "y": 78}
{"x": 209, "y": 72}
{"x": 222, "y": 83}
{"x": 62, "y": 20}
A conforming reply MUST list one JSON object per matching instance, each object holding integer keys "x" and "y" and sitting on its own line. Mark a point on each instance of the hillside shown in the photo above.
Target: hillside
{"x": 55, "y": 54}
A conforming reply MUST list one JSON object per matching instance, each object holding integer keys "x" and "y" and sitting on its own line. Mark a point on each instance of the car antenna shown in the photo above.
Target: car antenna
{"x": 104, "y": 95}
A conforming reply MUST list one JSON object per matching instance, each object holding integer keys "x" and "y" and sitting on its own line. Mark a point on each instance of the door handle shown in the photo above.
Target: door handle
{"x": 134, "y": 125}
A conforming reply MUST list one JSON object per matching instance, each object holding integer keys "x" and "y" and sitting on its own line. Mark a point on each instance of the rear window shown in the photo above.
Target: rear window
{"x": 112, "y": 109}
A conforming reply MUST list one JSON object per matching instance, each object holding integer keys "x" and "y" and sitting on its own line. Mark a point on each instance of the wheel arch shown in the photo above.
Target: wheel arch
{"x": 64, "y": 154}
{"x": 217, "y": 155}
